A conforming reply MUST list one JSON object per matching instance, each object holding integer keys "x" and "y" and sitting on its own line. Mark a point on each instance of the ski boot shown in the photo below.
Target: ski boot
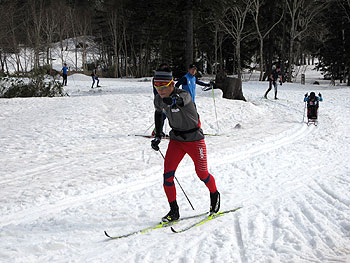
{"x": 214, "y": 202}
{"x": 173, "y": 213}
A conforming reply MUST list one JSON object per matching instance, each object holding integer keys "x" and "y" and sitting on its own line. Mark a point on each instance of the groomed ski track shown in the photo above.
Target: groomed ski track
{"x": 291, "y": 180}
{"x": 32, "y": 214}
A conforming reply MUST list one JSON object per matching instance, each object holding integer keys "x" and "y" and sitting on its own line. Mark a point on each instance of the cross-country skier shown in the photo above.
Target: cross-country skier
{"x": 189, "y": 81}
{"x": 186, "y": 137}
{"x": 312, "y": 104}
{"x": 64, "y": 72}
{"x": 94, "y": 77}
{"x": 273, "y": 77}
{"x": 161, "y": 67}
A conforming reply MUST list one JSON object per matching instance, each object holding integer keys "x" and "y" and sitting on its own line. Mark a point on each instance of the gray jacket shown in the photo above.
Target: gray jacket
{"x": 183, "y": 120}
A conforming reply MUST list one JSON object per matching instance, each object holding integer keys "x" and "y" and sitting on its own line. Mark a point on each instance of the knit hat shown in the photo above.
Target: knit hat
{"x": 192, "y": 66}
{"x": 162, "y": 78}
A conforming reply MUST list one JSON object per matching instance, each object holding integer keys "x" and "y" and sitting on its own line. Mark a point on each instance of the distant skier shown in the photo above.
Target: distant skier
{"x": 64, "y": 72}
{"x": 312, "y": 105}
{"x": 189, "y": 82}
{"x": 186, "y": 136}
{"x": 95, "y": 77}
{"x": 273, "y": 77}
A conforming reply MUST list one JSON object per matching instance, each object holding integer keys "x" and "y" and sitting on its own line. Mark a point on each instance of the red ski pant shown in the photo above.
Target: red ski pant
{"x": 176, "y": 151}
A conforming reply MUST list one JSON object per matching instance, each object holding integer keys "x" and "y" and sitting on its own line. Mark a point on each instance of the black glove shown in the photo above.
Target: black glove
{"x": 319, "y": 94}
{"x": 206, "y": 88}
{"x": 174, "y": 99}
{"x": 306, "y": 95}
{"x": 281, "y": 82}
{"x": 154, "y": 143}
{"x": 178, "y": 100}
{"x": 168, "y": 100}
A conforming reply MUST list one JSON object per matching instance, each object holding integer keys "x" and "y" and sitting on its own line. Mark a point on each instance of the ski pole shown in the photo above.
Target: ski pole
{"x": 149, "y": 127}
{"x": 179, "y": 183}
{"x": 216, "y": 115}
{"x": 304, "y": 112}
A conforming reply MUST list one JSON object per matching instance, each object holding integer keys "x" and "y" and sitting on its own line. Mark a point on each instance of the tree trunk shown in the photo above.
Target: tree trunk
{"x": 238, "y": 57}
{"x": 261, "y": 58}
{"x": 189, "y": 33}
{"x": 290, "y": 60}
{"x": 231, "y": 87}
{"x": 216, "y": 48}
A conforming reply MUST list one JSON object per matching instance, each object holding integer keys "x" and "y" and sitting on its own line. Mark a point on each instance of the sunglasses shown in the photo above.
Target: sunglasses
{"x": 162, "y": 84}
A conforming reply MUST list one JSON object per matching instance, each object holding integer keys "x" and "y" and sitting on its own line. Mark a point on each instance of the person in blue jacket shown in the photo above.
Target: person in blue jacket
{"x": 64, "y": 72}
{"x": 95, "y": 78}
{"x": 189, "y": 82}
{"x": 312, "y": 104}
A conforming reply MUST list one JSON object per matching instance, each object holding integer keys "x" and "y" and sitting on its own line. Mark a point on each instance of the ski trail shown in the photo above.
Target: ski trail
{"x": 256, "y": 149}
{"x": 35, "y": 212}
{"x": 239, "y": 238}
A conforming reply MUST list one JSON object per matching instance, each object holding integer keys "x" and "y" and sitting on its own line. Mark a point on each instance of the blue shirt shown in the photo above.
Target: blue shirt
{"x": 65, "y": 70}
{"x": 317, "y": 99}
{"x": 188, "y": 83}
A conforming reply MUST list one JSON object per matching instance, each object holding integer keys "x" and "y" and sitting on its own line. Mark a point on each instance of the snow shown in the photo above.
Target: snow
{"x": 71, "y": 168}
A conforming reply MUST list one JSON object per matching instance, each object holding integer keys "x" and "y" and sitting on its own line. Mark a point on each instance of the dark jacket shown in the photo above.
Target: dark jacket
{"x": 183, "y": 120}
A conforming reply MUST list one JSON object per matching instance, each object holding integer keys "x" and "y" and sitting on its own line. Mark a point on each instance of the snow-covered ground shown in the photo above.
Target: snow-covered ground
{"x": 71, "y": 168}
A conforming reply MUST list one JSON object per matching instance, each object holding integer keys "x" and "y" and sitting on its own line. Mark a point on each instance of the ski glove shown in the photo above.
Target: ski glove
{"x": 206, "y": 88}
{"x": 154, "y": 143}
{"x": 174, "y": 100}
{"x": 281, "y": 82}
{"x": 306, "y": 95}
{"x": 319, "y": 94}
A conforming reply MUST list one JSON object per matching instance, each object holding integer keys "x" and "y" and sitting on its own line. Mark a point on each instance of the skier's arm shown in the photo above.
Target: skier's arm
{"x": 186, "y": 98}
{"x": 200, "y": 83}
{"x": 182, "y": 81}
{"x": 320, "y": 99}
{"x": 158, "y": 120}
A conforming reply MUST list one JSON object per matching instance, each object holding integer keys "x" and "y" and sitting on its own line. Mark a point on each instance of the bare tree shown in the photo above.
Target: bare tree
{"x": 114, "y": 23}
{"x": 346, "y": 8}
{"x": 50, "y": 28}
{"x": 262, "y": 32}
{"x": 233, "y": 23}
{"x": 189, "y": 32}
{"x": 64, "y": 27}
{"x": 35, "y": 23}
{"x": 345, "y": 5}
{"x": 302, "y": 13}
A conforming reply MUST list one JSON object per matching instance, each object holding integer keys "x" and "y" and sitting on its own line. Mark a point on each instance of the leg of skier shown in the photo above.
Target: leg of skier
{"x": 198, "y": 152}
{"x": 268, "y": 90}
{"x": 275, "y": 86}
{"x": 173, "y": 157}
{"x": 93, "y": 82}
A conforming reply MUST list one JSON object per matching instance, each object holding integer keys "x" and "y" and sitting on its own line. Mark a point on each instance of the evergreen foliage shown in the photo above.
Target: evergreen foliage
{"x": 133, "y": 37}
{"x": 35, "y": 84}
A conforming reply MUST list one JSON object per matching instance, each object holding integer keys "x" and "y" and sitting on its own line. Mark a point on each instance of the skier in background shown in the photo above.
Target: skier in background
{"x": 95, "y": 77}
{"x": 312, "y": 105}
{"x": 189, "y": 82}
{"x": 273, "y": 77}
{"x": 64, "y": 72}
{"x": 186, "y": 137}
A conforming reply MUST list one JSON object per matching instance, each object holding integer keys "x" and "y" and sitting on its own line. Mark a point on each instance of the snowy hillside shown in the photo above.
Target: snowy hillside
{"x": 71, "y": 168}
